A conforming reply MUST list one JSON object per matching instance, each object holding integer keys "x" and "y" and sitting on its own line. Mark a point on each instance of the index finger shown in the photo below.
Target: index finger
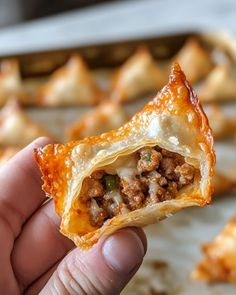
{"x": 20, "y": 192}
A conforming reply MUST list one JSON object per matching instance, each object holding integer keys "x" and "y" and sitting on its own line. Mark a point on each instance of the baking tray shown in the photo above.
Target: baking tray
{"x": 174, "y": 244}
{"x": 104, "y": 55}
{"x": 102, "y": 59}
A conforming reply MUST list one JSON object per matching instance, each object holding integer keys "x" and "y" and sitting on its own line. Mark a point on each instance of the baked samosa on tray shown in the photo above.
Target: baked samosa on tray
{"x": 219, "y": 261}
{"x": 159, "y": 162}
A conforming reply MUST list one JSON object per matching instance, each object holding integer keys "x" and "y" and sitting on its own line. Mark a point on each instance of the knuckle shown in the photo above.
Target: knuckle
{"x": 74, "y": 279}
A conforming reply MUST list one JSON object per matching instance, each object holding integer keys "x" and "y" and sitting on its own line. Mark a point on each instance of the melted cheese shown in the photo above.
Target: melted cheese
{"x": 125, "y": 167}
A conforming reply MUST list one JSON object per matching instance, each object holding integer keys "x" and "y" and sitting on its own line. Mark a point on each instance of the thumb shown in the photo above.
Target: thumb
{"x": 104, "y": 269}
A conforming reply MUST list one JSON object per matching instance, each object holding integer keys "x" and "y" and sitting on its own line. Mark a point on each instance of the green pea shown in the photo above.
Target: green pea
{"x": 110, "y": 182}
{"x": 147, "y": 157}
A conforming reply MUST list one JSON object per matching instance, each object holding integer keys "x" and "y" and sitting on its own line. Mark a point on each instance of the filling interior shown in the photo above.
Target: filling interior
{"x": 146, "y": 177}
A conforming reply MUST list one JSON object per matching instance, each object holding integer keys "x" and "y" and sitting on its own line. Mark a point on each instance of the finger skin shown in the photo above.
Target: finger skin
{"x": 8, "y": 284}
{"x": 91, "y": 273}
{"x": 39, "y": 246}
{"x": 21, "y": 192}
{"x": 39, "y": 284}
{"x": 20, "y": 195}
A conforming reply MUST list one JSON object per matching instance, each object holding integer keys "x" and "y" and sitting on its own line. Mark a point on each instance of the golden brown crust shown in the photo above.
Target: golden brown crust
{"x": 71, "y": 84}
{"x": 55, "y": 172}
{"x": 139, "y": 75}
{"x": 174, "y": 120}
{"x": 105, "y": 117}
{"x": 194, "y": 60}
{"x": 219, "y": 262}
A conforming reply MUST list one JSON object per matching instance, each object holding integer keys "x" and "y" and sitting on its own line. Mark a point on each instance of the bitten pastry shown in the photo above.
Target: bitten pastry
{"x": 105, "y": 117}
{"x": 159, "y": 162}
{"x": 195, "y": 61}
{"x": 139, "y": 75}
{"x": 219, "y": 85}
{"x": 221, "y": 125}
{"x": 72, "y": 84}
{"x": 16, "y": 128}
{"x": 219, "y": 262}
{"x": 10, "y": 80}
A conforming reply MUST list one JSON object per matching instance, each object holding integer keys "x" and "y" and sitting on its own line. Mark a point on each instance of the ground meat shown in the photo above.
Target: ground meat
{"x": 167, "y": 168}
{"x": 160, "y": 189}
{"x": 155, "y": 176}
{"x": 185, "y": 173}
{"x": 159, "y": 176}
{"x": 91, "y": 188}
{"x": 149, "y": 160}
{"x": 98, "y": 174}
{"x": 95, "y": 189}
{"x": 132, "y": 190}
{"x": 164, "y": 194}
{"x": 172, "y": 188}
{"x": 162, "y": 181}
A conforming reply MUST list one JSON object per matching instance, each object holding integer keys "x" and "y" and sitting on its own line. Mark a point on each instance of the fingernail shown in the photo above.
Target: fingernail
{"x": 123, "y": 251}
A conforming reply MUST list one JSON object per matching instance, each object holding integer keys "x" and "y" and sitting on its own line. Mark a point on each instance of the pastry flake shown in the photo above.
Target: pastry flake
{"x": 16, "y": 128}
{"x": 105, "y": 117}
{"x": 219, "y": 85}
{"x": 71, "y": 84}
{"x": 139, "y": 75}
{"x": 222, "y": 126}
{"x": 195, "y": 61}
{"x": 219, "y": 262}
{"x": 159, "y": 162}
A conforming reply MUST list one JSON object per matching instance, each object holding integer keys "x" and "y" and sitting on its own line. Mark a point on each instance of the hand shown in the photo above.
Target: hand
{"x": 34, "y": 255}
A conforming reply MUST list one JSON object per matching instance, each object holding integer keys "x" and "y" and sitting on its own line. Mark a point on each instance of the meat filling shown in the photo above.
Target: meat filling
{"x": 157, "y": 177}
